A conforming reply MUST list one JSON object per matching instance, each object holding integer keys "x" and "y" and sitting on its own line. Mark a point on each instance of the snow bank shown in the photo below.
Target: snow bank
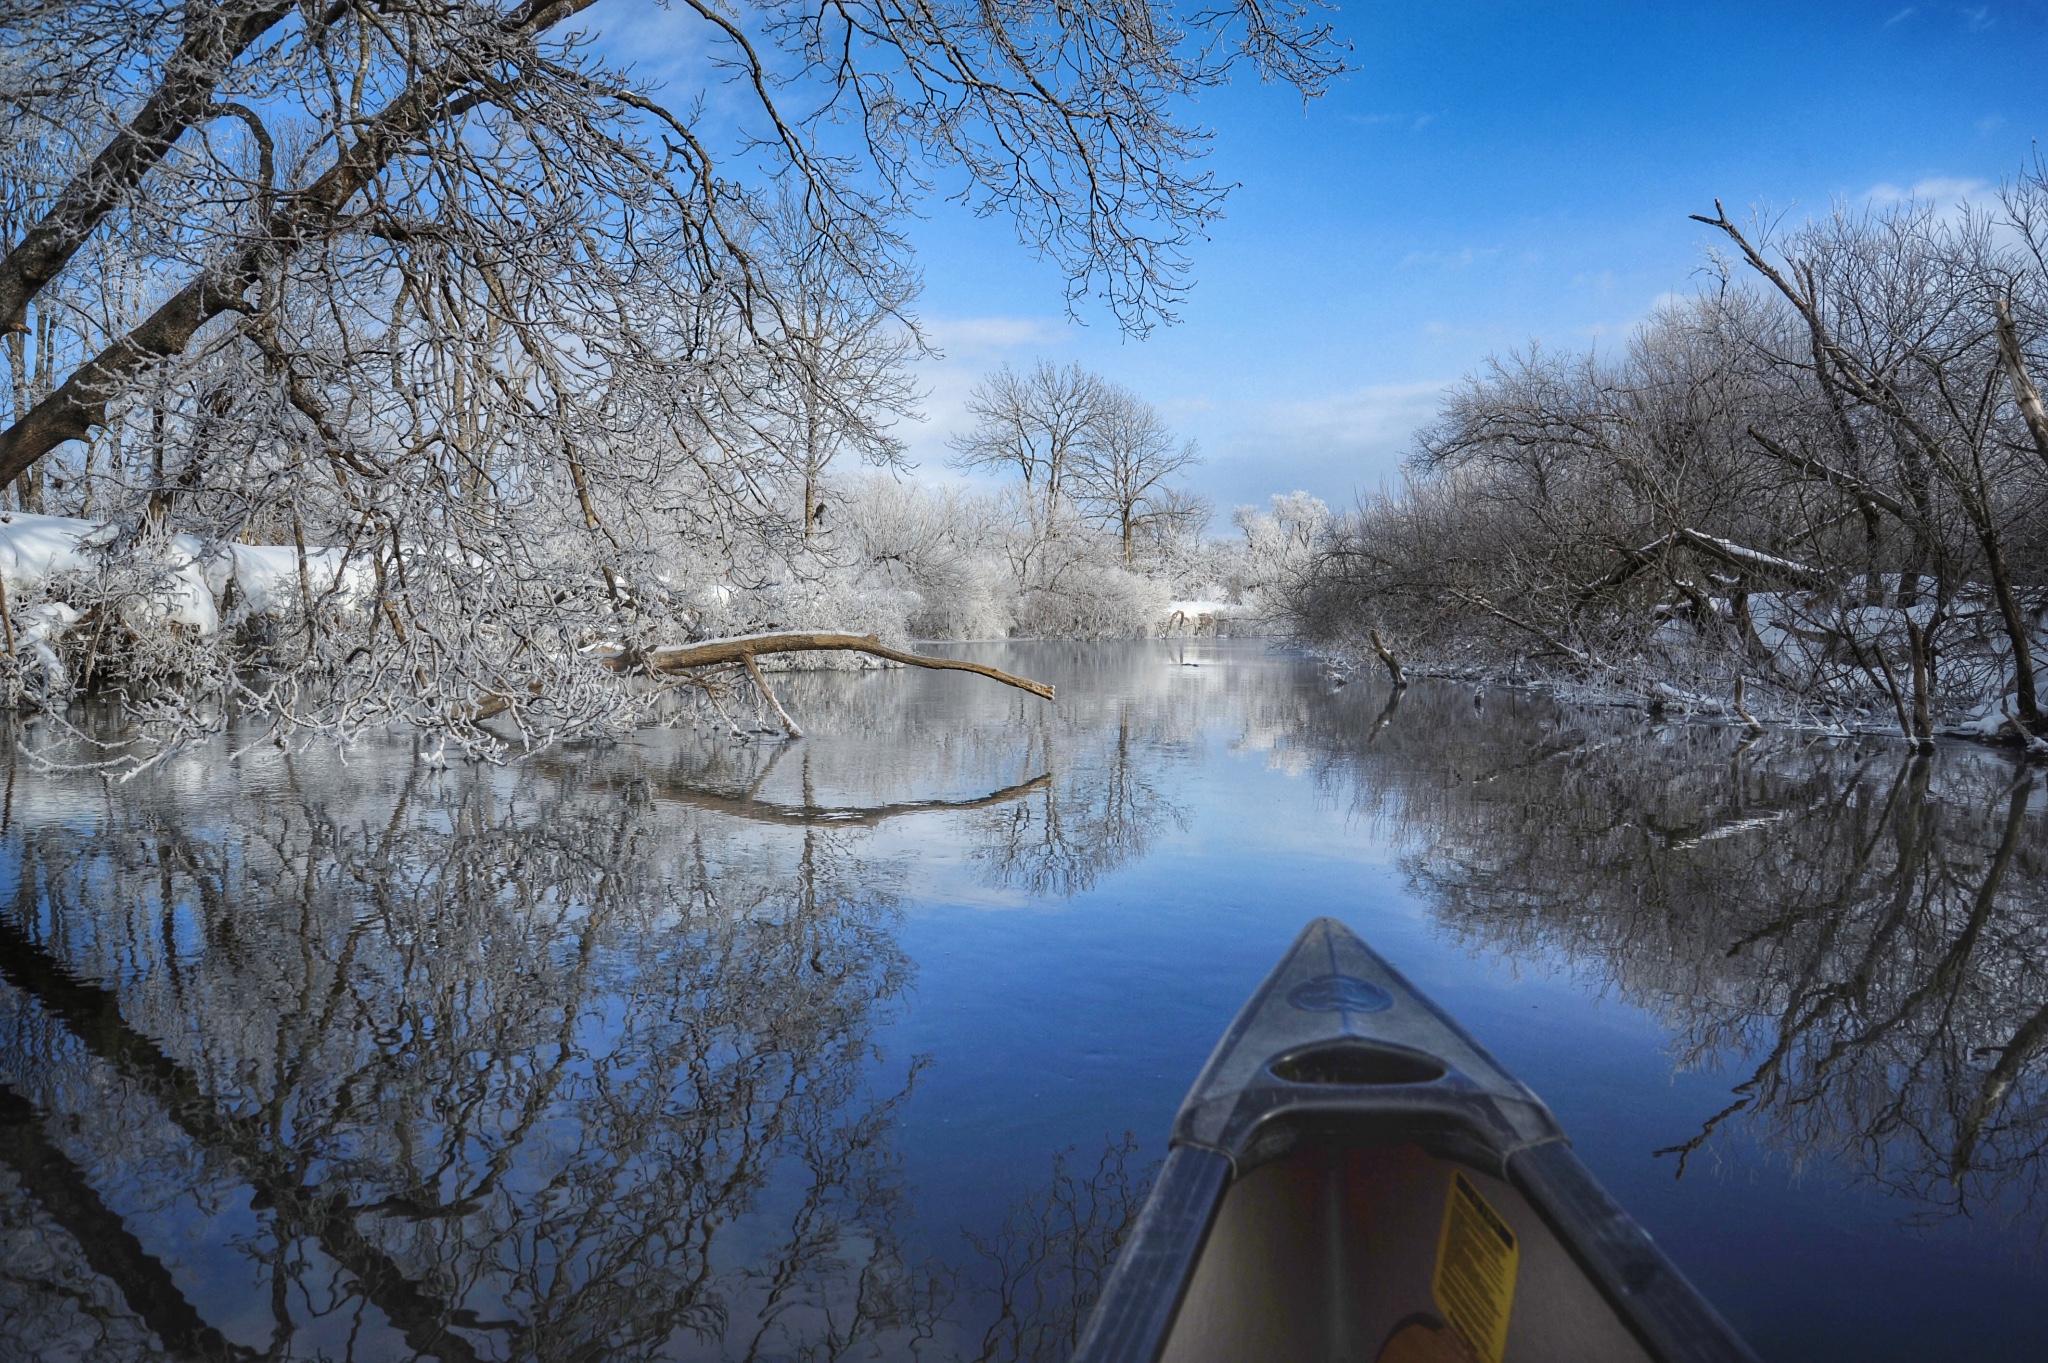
{"x": 192, "y": 585}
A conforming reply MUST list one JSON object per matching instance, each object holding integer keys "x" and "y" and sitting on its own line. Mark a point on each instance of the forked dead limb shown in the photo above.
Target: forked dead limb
{"x": 744, "y": 649}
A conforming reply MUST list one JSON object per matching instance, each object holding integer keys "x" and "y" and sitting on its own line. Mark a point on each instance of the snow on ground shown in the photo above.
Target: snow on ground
{"x": 196, "y": 582}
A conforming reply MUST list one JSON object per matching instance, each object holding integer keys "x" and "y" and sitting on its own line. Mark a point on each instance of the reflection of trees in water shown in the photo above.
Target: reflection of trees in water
{"x": 1100, "y": 811}
{"x": 500, "y": 1075}
{"x": 570, "y": 1061}
{"x": 1066, "y": 792}
{"x": 1868, "y": 927}
{"x": 1054, "y": 1251}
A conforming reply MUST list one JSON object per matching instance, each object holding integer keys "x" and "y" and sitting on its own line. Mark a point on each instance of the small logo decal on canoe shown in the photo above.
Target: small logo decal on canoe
{"x": 1476, "y": 1258}
{"x": 1330, "y": 993}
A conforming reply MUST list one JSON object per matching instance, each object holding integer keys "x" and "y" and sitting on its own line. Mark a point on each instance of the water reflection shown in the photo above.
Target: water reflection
{"x": 1861, "y": 933}
{"x": 590, "y": 1058}
{"x": 502, "y": 1074}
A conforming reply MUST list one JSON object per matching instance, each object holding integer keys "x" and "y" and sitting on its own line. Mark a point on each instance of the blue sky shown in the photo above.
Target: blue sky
{"x": 1492, "y": 174}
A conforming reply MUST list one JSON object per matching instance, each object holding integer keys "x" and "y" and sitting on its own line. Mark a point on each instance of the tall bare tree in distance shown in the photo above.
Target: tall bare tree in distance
{"x": 1037, "y": 424}
{"x": 1127, "y": 458}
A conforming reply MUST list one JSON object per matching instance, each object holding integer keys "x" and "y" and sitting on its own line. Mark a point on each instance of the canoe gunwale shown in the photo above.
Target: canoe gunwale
{"x": 1242, "y": 1114}
{"x": 1153, "y": 1269}
{"x": 1647, "y": 1290}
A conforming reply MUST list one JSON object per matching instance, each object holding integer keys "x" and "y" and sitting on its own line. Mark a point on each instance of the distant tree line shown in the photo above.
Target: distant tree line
{"x": 1818, "y": 487}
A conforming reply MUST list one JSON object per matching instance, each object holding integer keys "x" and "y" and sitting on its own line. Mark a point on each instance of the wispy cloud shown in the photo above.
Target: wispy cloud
{"x": 1601, "y": 282}
{"x": 1976, "y": 18}
{"x": 1450, "y": 260}
{"x": 1358, "y": 436}
{"x": 1939, "y": 189}
{"x": 983, "y": 336}
{"x": 969, "y": 347}
{"x": 1901, "y": 17}
{"x": 1414, "y": 123}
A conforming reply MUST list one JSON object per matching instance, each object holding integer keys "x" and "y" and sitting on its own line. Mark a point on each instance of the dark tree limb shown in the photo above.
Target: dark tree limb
{"x": 72, "y": 410}
{"x": 215, "y": 38}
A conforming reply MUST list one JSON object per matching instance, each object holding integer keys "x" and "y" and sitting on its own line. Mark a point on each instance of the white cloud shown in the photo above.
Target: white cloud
{"x": 958, "y": 337}
{"x": 1601, "y": 282}
{"x": 1939, "y": 189}
{"x": 1901, "y": 17}
{"x": 1451, "y": 260}
{"x": 1332, "y": 443}
{"x": 1412, "y": 122}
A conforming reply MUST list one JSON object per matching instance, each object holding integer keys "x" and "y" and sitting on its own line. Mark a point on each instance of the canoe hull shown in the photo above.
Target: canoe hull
{"x": 1354, "y": 1178}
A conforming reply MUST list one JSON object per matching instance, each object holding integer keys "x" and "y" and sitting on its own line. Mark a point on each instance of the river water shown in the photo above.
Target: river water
{"x": 865, "y": 1045}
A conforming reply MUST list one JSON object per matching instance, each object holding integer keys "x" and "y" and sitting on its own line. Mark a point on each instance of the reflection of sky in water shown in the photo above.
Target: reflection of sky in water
{"x": 1061, "y": 908}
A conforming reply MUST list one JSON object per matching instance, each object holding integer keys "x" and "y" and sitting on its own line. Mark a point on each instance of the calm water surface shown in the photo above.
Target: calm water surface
{"x": 864, "y": 1046}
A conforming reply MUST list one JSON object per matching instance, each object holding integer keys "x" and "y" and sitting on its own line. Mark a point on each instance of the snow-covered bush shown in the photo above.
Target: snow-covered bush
{"x": 1273, "y": 563}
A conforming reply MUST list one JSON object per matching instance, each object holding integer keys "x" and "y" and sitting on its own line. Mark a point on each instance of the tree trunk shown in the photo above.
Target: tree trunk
{"x": 2023, "y": 390}
{"x": 1394, "y": 669}
{"x": 2015, "y": 621}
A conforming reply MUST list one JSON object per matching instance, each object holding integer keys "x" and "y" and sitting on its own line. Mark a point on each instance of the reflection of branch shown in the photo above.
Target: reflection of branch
{"x": 851, "y": 816}
{"x": 1053, "y": 1253}
{"x": 111, "y": 1249}
{"x": 1687, "y": 1150}
{"x": 1942, "y": 981}
{"x": 92, "y": 1013}
{"x": 1386, "y": 715}
{"x": 1877, "y": 980}
{"x": 1997, "y": 1083}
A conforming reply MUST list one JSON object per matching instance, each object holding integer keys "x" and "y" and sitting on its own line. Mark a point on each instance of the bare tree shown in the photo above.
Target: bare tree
{"x": 1127, "y": 456}
{"x": 1039, "y": 424}
{"x": 1822, "y": 488}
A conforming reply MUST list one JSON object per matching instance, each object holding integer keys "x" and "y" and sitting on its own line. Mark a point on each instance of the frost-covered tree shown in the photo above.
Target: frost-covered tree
{"x": 522, "y": 364}
{"x": 1280, "y": 549}
{"x": 1128, "y": 456}
{"x": 1820, "y": 486}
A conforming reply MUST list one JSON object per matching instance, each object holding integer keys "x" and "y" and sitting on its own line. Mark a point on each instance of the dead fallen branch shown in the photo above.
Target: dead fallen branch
{"x": 1394, "y": 669}
{"x": 744, "y": 648}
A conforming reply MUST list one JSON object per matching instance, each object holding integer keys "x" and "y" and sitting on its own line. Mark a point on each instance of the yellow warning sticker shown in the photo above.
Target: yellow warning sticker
{"x": 1476, "y": 1256}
